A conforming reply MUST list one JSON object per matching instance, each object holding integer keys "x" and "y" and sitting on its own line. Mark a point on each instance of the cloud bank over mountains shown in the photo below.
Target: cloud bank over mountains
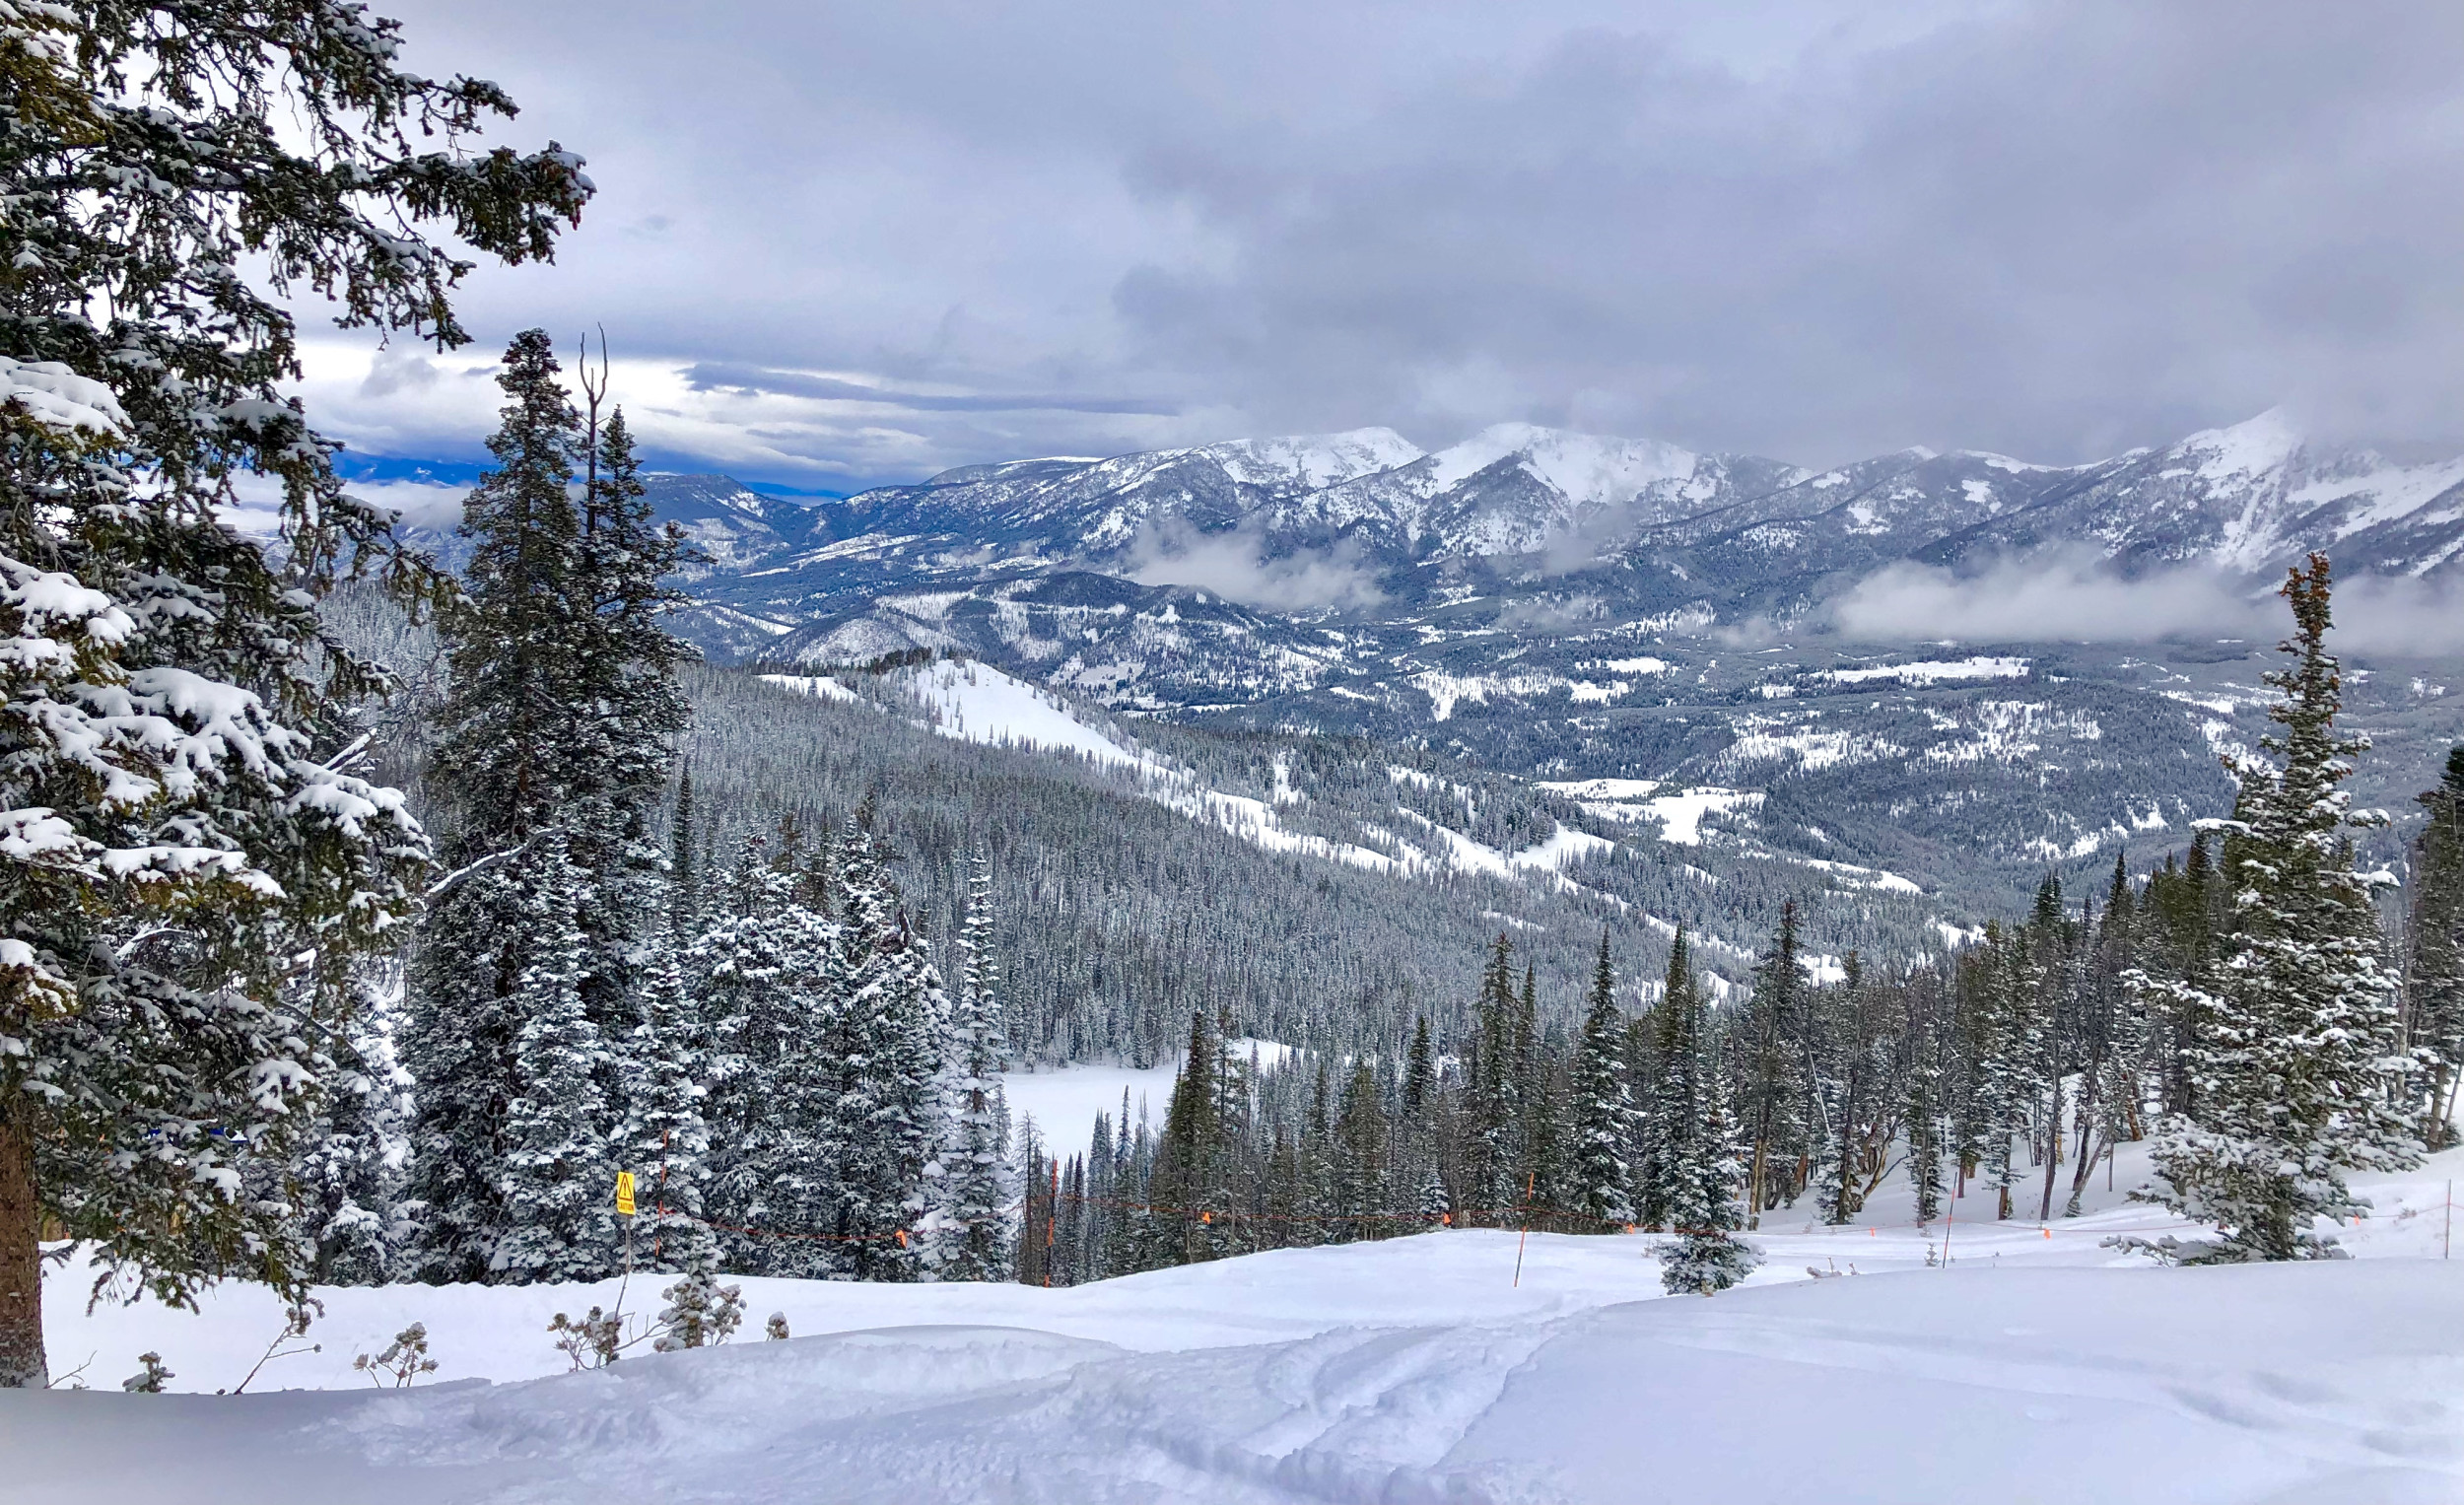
{"x": 863, "y": 243}
{"x": 2072, "y": 594}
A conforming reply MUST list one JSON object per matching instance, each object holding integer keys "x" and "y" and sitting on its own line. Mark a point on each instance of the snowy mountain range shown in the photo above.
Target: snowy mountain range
{"x": 1525, "y": 510}
{"x": 1564, "y": 607}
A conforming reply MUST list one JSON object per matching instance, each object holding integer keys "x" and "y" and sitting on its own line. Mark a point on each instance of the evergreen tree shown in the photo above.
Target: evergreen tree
{"x": 1604, "y": 1113}
{"x": 973, "y": 1241}
{"x": 1186, "y": 1186}
{"x": 347, "y": 1175}
{"x": 1364, "y": 1190}
{"x": 1536, "y": 1136}
{"x": 2434, "y": 1011}
{"x": 1419, "y": 1073}
{"x": 1704, "y": 1175}
{"x": 1317, "y": 1201}
{"x": 2297, "y": 1071}
{"x": 886, "y": 1126}
{"x": 1838, "y": 1186}
{"x": 668, "y": 1133}
{"x": 765, "y": 962}
{"x": 1496, "y": 1111}
{"x": 556, "y": 1179}
{"x": 1672, "y": 1103}
{"x": 172, "y": 709}
{"x": 2007, "y": 1039}
{"x": 1923, "y": 1145}
{"x": 505, "y": 733}
{"x": 511, "y": 725}
{"x": 1775, "y": 1066}
{"x": 626, "y": 712}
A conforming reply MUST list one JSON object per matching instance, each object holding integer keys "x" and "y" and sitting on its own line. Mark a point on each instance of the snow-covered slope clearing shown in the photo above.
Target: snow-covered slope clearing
{"x": 2039, "y": 1367}
{"x": 977, "y": 702}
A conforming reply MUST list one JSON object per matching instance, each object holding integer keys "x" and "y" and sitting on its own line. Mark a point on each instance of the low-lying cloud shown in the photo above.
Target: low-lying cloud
{"x": 2078, "y": 596}
{"x": 1234, "y": 565}
{"x": 255, "y": 508}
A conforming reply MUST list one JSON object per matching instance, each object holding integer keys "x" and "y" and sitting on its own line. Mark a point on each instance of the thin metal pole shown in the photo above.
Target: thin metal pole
{"x": 658, "y": 1230}
{"x": 1529, "y": 1181}
{"x": 2446, "y": 1239}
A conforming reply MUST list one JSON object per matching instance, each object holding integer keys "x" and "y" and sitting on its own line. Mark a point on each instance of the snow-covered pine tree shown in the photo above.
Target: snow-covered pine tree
{"x": 1705, "y": 1176}
{"x": 1925, "y": 1141}
{"x": 347, "y": 1173}
{"x": 2109, "y": 1076}
{"x": 1775, "y": 1065}
{"x": 1603, "y": 1113}
{"x": 1837, "y": 1186}
{"x": 508, "y": 743}
{"x": 1495, "y": 1108}
{"x": 770, "y": 967}
{"x": 2435, "y": 1002}
{"x": 1642, "y": 1077}
{"x": 972, "y": 1236}
{"x": 1540, "y": 1136}
{"x": 505, "y": 769}
{"x": 557, "y": 1175}
{"x": 627, "y": 712}
{"x": 667, "y": 1138}
{"x": 1419, "y": 1073}
{"x": 182, "y": 825}
{"x": 2007, "y": 1039}
{"x": 1185, "y": 1185}
{"x": 1315, "y": 1197}
{"x": 1364, "y": 1190}
{"x": 887, "y": 1124}
{"x": 684, "y": 869}
{"x": 1035, "y": 1207}
{"x": 1671, "y": 1105}
{"x": 2297, "y": 1070}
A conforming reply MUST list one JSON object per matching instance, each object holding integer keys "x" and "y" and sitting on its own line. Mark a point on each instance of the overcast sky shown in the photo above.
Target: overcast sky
{"x": 838, "y": 243}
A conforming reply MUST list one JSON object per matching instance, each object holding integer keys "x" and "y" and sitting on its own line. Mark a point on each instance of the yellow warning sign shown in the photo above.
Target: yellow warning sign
{"x": 624, "y": 1193}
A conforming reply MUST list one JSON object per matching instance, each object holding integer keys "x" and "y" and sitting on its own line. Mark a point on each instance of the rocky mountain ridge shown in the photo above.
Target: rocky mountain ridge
{"x": 1568, "y": 609}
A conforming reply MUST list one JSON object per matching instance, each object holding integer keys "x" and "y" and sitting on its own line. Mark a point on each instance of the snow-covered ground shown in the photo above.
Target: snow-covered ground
{"x": 1065, "y": 1100}
{"x": 2037, "y": 1366}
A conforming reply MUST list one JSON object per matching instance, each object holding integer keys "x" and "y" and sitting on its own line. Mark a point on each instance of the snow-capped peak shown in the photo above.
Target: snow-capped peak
{"x": 1313, "y": 460}
{"x": 2251, "y": 448}
{"x": 1585, "y": 468}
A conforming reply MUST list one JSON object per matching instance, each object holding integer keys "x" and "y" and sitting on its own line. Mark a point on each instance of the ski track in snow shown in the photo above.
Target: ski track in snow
{"x": 2039, "y": 1366}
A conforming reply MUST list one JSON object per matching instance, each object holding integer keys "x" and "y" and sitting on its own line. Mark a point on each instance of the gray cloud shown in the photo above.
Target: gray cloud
{"x": 1811, "y": 229}
{"x": 1234, "y": 565}
{"x": 708, "y": 375}
{"x": 2073, "y": 596}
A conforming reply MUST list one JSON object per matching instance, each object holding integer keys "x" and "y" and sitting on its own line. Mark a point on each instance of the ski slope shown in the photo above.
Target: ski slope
{"x": 2037, "y": 1367}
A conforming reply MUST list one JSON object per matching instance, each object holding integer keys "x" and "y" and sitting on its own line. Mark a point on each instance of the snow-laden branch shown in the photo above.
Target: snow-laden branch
{"x": 454, "y": 879}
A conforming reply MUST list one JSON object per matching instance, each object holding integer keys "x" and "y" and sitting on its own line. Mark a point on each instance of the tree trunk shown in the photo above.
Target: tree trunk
{"x": 2086, "y": 1158}
{"x": 2053, "y": 1149}
{"x": 21, "y": 1260}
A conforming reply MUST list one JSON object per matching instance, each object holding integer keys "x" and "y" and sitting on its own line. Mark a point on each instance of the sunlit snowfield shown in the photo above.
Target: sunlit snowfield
{"x": 2037, "y": 1366}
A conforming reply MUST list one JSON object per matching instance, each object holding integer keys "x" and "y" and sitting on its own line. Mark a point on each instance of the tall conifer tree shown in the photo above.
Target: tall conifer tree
{"x": 2298, "y": 1074}
{"x": 2434, "y": 1006}
{"x": 1604, "y": 1113}
{"x": 172, "y": 709}
{"x": 1705, "y": 1177}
